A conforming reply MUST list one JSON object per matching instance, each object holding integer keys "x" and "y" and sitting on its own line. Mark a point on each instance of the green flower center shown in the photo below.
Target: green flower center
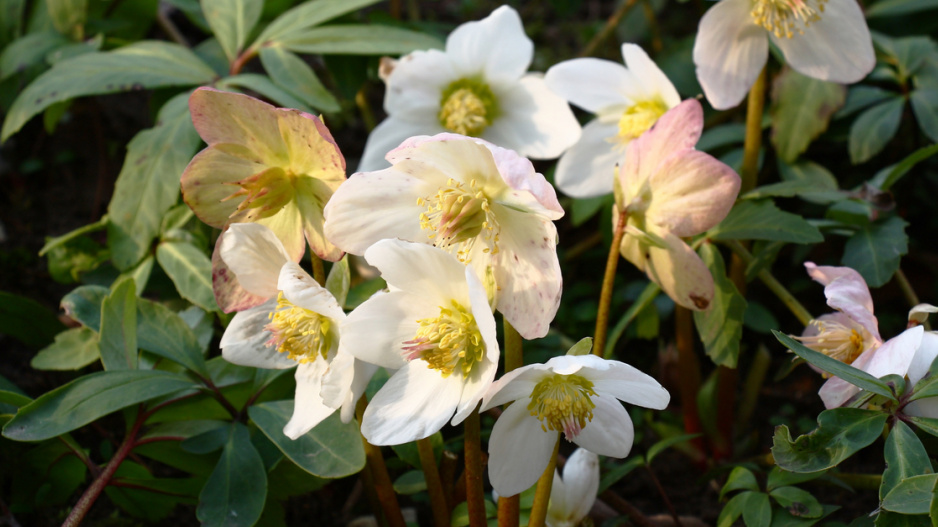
{"x": 563, "y": 402}
{"x": 299, "y": 332}
{"x": 781, "y": 17}
{"x": 448, "y": 342}
{"x": 457, "y": 216}
{"x": 262, "y": 194}
{"x": 467, "y": 107}
{"x": 639, "y": 118}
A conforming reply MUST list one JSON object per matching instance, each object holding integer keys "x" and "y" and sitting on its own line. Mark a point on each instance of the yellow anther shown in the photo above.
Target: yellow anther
{"x": 836, "y": 341}
{"x": 448, "y": 342}
{"x": 783, "y": 17}
{"x": 563, "y": 403}
{"x": 456, "y": 217}
{"x": 299, "y": 332}
{"x": 638, "y": 119}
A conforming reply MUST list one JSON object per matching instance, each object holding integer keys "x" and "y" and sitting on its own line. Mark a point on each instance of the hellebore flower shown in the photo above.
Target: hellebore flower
{"x": 572, "y": 497}
{"x": 435, "y": 327}
{"x": 297, "y": 326}
{"x": 825, "y": 39}
{"x": 484, "y": 204}
{"x": 926, "y": 353}
{"x": 626, "y": 101}
{"x": 476, "y": 87}
{"x": 852, "y": 335}
{"x": 575, "y": 395}
{"x": 669, "y": 190}
{"x": 273, "y": 166}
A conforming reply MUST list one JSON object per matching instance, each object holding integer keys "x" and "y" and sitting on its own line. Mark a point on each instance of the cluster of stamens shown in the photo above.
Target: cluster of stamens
{"x": 464, "y": 112}
{"x": 264, "y": 193}
{"x": 637, "y": 119}
{"x": 447, "y": 342}
{"x": 835, "y": 340}
{"x": 457, "y": 216}
{"x": 299, "y": 332}
{"x": 563, "y": 402}
{"x": 783, "y": 17}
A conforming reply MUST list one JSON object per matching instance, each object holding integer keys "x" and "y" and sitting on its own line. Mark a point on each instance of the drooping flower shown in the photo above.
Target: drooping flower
{"x": 851, "y": 335}
{"x": 572, "y": 496}
{"x": 479, "y": 87}
{"x": 273, "y": 166}
{"x": 669, "y": 190}
{"x": 576, "y": 395}
{"x": 626, "y": 101}
{"x": 825, "y": 39}
{"x": 484, "y": 204}
{"x": 435, "y": 327}
{"x": 297, "y": 326}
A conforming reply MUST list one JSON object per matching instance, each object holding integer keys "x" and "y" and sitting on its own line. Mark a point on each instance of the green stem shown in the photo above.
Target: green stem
{"x": 319, "y": 272}
{"x": 542, "y": 494}
{"x": 434, "y": 485}
{"x": 379, "y": 475}
{"x": 475, "y": 493}
{"x": 610, "y": 26}
{"x": 802, "y": 314}
{"x": 753, "y": 141}
{"x": 609, "y": 278}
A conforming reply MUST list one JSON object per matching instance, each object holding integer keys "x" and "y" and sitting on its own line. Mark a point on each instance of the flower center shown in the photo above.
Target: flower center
{"x": 638, "y": 119}
{"x": 782, "y": 17}
{"x": 836, "y": 341}
{"x": 447, "y": 342}
{"x": 456, "y": 217}
{"x": 264, "y": 193}
{"x": 467, "y": 107}
{"x": 301, "y": 333}
{"x": 563, "y": 402}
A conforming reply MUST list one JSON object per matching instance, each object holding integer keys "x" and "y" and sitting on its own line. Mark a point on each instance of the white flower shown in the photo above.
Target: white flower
{"x": 572, "y": 497}
{"x": 297, "y": 326}
{"x": 483, "y": 203}
{"x": 825, "y": 39}
{"x": 435, "y": 327}
{"x": 627, "y": 102}
{"x": 573, "y": 394}
{"x": 476, "y": 87}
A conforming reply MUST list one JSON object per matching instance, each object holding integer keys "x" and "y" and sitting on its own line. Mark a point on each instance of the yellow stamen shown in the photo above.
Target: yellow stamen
{"x": 457, "y": 216}
{"x": 467, "y": 107}
{"x": 836, "y": 341}
{"x": 638, "y": 119}
{"x": 299, "y": 332}
{"x": 563, "y": 402}
{"x": 448, "y": 342}
{"x": 783, "y": 17}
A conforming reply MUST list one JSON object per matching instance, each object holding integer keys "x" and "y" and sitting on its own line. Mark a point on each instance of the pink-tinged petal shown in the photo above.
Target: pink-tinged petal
{"x": 374, "y": 206}
{"x": 535, "y": 122}
{"x": 308, "y": 408}
{"x": 494, "y": 48}
{"x": 519, "y": 174}
{"x": 924, "y": 356}
{"x": 415, "y": 85}
{"x": 654, "y": 84}
{"x": 630, "y": 385}
{"x": 209, "y": 179}
{"x": 681, "y": 274}
{"x": 301, "y": 290}
{"x": 836, "y": 391}
{"x": 596, "y": 85}
{"x": 245, "y": 340}
{"x": 519, "y": 451}
{"x": 610, "y": 432}
{"x": 515, "y": 385}
{"x": 588, "y": 168}
{"x": 237, "y": 119}
{"x": 846, "y": 291}
{"x": 729, "y": 52}
{"x": 376, "y": 330}
{"x": 836, "y": 48}
{"x": 255, "y": 255}
{"x": 415, "y": 403}
{"x": 527, "y": 272}
{"x": 421, "y": 269}
{"x": 229, "y": 295}
{"x": 691, "y": 192}
{"x": 388, "y": 135}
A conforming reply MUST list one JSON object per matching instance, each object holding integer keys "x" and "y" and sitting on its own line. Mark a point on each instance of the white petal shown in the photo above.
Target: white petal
{"x": 420, "y": 269}
{"x": 415, "y": 87}
{"x": 846, "y": 291}
{"x": 610, "y": 433}
{"x": 302, "y": 290}
{"x": 836, "y": 48}
{"x": 415, "y": 403}
{"x": 654, "y": 83}
{"x": 519, "y": 451}
{"x": 514, "y": 385}
{"x": 729, "y": 52}
{"x": 580, "y": 483}
{"x": 895, "y": 355}
{"x": 630, "y": 385}
{"x": 375, "y": 331}
{"x": 588, "y": 168}
{"x": 255, "y": 255}
{"x": 308, "y": 408}
{"x": 924, "y": 356}
{"x": 387, "y": 135}
{"x": 495, "y": 47}
{"x": 229, "y": 295}
{"x": 592, "y": 84}
{"x": 245, "y": 340}
{"x": 570, "y": 364}
{"x": 483, "y": 373}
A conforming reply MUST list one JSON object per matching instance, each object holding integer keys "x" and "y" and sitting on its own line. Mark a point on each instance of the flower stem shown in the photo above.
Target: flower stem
{"x": 542, "y": 494}
{"x": 605, "y": 296}
{"x": 434, "y": 486}
{"x": 689, "y": 370}
{"x": 509, "y": 507}
{"x": 753, "y": 141}
{"x": 802, "y": 314}
{"x": 379, "y": 475}
{"x": 610, "y": 26}
{"x": 319, "y": 272}
{"x": 475, "y": 493}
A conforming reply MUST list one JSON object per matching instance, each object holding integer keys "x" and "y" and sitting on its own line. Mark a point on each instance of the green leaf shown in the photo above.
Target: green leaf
{"x": 410, "y": 482}
{"x": 861, "y": 96}
{"x": 339, "y": 280}
{"x": 899, "y": 7}
{"x": 753, "y": 506}
{"x": 798, "y": 502}
{"x": 903, "y": 167}
{"x": 118, "y": 338}
{"x": 802, "y": 107}
{"x": 874, "y": 128}
{"x": 912, "y": 495}
{"x": 28, "y": 321}
{"x": 583, "y": 209}
{"x": 582, "y": 347}
{"x": 163, "y": 332}
{"x": 721, "y": 325}
{"x": 234, "y": 494}
{"x": 29, "y": 50}
{"x": 825, "y": 184}
{"x": 926, "y": 424}
{"x": 294, "y": 75}
{"x": 779, "y": 477}
{"x": 846, "y": 372}
{"x": 613, "y": 476}
{"x": 841, "y": 432}
{"x": 665, "y": 444}
{"x": 644, "y": 300}
{"x": 148, "y": 64}
{"x": 762, "y": 220}
{"x": 139, "y": 273}
{"x": 460, "y": 515}
{"x": 330, "y": 450}
{"x": 68, "y": 16}
{"x": 925, "y": 107}
{"x": 266, "y": 87}
{"x": 357, "y": 39}
{"x": 73, "y": 349}
{"x": 875, "y": 250}
{"x": 87, "y": 398}
{"x": 84, "y": 305}
{"x": 732, "y": 510}
{"x": 231, "y": 22}
{"x": 191, "y": 270}
{"x": 905, "y": 457}
{"x": 148, "y": 184}
{"x": 741, "y": 478}
{"x": 307, "y": 15}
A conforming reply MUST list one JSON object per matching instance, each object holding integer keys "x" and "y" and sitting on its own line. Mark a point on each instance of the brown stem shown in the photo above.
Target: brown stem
{"x": 509, "y": 510}
{"x": 475, "y": 493}
{"x": 239, "y": 62}
{"x": 607, "y": 29}
{"x": 609, "y": 278}
{"x": 448, "y": 466}
{"x": 380, "y": 478}
{"x": 664, "y": 495}
{"x": 689, "y": 368}
{"x": 434, "y": 485}
{"x": 542, "y": 493}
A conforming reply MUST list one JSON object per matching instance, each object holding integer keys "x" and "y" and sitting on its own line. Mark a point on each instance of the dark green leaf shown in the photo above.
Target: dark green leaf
{"x": 84, "y": 305}
{"x": 861, "y": 96}
{"x": 802, "y": 107}
{"x": 903, "y": 167}
{"x": 804, "y": 171}
{"x": 585, "y": 208}
{"x": 69, "y": 16}
{"x": 741, "y": 478}
{"x": 721, "y": 325}
{"x": 52, "y": 243}
{"x": 232, "y": 21}
{"x": 912, "y": 495}
{"x": 875, "y": 250}
{"x": 841, "y": 432}
{"x": 762, "y": 220}
{"x": 779, "y": 477}
{"x": 783, "y": 518}
{"x": 118, "y": 336}
{"x": 27, "y": 321}
{"x": 613, "y": 476}
{"x": 905, "y": 457}
{"x": 797, "y": 502}
{"x": 644, "y": 300}
{"x": 234, "y": 494}
{"x": 73, "y": 349}
{"x": 925, "y": 107}
{"x": 926, "y": 424}
{"x": 294, "y": 75}
{"x": 191, "y": 270}
{"x": 410, "y": 482}
{"x": 733, "y": 509}
{"x": 266, "y": 87}
{"x": 164, "y": 333}
{"x": 460, "y": 515}
{"x": 367, "y": 39}
{"x": 28, "y": 51}
{"x": 899, "y": 7}
{"x": 306, "y": 15}
{"x": 874, "y": 128}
